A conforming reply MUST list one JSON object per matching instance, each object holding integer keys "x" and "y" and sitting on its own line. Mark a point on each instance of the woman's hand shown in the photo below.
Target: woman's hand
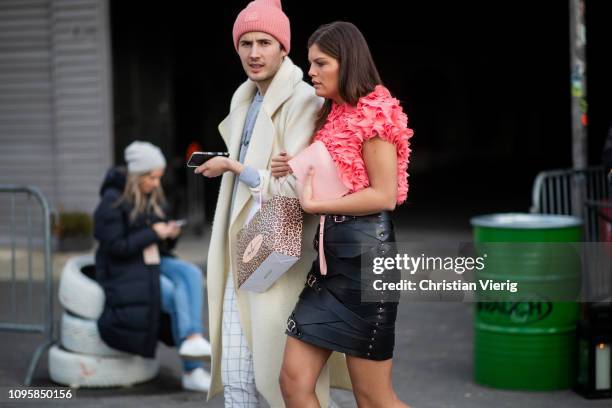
{"x": 175, "y": 230}
{"x": 306, "y": 195}
{"x": 279, "y": 166}
{"x": 162, "y": 229}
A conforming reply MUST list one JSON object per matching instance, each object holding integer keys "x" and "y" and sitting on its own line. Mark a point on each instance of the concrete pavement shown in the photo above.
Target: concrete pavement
{"x": 432, "y": 364}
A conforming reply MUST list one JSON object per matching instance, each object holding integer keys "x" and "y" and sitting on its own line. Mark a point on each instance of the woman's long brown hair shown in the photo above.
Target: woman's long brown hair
{"x": 358, "y": 74}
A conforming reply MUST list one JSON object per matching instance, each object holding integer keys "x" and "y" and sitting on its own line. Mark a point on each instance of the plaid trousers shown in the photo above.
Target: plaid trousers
{"x": 237, "y": 373}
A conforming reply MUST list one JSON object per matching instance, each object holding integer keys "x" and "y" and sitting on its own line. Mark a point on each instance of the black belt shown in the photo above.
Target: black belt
{"x": 378, "y": 217}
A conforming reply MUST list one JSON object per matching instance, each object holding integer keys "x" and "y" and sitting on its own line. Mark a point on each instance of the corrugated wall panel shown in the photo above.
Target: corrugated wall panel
{"x": 19, "y": 4}
{"x": 55, "y": 100}
{"x": 26, "y": 114}
{"x": 82, "y": 90}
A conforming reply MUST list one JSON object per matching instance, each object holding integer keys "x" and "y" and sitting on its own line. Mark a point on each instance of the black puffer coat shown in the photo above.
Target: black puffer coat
{"x": 132, "y": 320}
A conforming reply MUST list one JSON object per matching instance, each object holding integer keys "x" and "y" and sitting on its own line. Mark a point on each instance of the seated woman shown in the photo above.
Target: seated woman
{"x": 150, "y": 295}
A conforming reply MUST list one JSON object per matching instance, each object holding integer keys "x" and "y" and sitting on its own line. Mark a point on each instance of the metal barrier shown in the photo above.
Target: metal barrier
{"x": 46, "y": 326}
{"x": 598, "y": 228}
{"x": 582, "y": 193}
{"x": 565, "y": 191}
{"x": 598, "y": 219}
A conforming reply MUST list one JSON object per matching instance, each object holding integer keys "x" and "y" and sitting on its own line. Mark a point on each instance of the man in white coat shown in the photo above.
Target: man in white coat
{"x": 273, "y": 112}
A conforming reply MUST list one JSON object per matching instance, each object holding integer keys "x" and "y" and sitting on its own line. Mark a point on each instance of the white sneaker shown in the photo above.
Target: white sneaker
{"x": 196, "y": 380}
{"x": 196, "y": 347}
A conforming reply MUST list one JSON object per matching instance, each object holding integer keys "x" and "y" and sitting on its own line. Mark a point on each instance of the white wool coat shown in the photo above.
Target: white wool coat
{"x": 285, "y": 122}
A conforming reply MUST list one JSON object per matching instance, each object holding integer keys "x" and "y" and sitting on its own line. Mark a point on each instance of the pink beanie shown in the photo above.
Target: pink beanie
{"x": 266, "y": 16}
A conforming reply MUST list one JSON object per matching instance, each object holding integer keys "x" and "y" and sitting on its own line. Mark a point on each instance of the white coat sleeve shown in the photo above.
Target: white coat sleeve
{"x": 296, "y": 136}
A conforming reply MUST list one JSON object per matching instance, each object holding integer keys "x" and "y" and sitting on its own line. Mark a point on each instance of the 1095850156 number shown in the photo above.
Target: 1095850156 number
{"x": 40, "y": 393}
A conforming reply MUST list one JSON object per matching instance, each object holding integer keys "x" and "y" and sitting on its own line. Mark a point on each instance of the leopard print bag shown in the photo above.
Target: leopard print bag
{"x": 269, "y": 244}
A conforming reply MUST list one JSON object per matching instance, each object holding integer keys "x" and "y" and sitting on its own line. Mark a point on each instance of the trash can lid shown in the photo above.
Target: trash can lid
{"x": 525, "y": 221}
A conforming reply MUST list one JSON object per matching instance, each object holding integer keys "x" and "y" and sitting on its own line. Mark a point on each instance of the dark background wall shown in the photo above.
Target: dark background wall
{"x": 485, "y": 86}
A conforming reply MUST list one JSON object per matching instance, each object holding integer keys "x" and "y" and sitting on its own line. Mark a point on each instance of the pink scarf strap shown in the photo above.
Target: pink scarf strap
{"x": 322, "y": 262}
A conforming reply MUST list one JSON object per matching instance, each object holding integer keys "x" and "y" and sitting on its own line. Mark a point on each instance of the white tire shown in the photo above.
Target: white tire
{"x": 79, "y": 370}
{"x": 82, "y": 336}
{"x": 78, "y": 293}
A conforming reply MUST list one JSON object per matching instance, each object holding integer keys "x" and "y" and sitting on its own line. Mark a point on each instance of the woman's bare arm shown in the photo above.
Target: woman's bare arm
{"x": 380, "y": 159}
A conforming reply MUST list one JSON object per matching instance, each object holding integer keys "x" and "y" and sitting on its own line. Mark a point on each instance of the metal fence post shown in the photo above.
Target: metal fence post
{"x": 46, "y": 326}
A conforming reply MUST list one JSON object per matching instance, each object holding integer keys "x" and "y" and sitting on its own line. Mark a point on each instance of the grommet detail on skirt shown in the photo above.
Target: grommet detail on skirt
{"x": 383, "y": 248}
{"x": 382, "y": 231}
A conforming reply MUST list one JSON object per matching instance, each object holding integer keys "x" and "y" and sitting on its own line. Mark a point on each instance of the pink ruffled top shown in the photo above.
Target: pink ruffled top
{"x": 347, "y": 127}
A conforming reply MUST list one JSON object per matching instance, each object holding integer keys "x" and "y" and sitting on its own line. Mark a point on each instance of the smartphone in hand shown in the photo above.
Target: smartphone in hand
{"x": 199, "y": 158}
{"x": 181, "y": 223}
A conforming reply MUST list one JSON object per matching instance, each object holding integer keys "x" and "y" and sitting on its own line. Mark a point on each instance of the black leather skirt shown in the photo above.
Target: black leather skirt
{"x": 330, "y": 312}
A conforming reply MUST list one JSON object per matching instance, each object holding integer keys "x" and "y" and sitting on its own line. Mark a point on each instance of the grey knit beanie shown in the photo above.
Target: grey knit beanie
{"x": 143, "y": 157}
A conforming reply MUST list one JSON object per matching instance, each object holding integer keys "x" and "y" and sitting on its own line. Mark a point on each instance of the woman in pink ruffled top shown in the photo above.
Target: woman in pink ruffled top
{"x": 365, "y": 131}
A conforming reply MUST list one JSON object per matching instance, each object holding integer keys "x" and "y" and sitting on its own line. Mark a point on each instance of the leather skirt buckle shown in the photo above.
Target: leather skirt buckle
{"x": 340, "y": 218}
{"x": 291, "y": 325}
{"x": 312, "y": 281}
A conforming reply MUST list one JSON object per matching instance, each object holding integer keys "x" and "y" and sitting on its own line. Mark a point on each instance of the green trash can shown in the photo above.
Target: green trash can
{"x": 527, "y": 340}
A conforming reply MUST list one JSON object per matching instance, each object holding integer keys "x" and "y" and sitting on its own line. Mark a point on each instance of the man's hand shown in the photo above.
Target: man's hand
{"x": 217, "y": 166}
{"x": 279, "y": 166}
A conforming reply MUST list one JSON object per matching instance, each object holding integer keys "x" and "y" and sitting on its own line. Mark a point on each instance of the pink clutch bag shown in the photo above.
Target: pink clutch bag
{"x": 326, "y": 183}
